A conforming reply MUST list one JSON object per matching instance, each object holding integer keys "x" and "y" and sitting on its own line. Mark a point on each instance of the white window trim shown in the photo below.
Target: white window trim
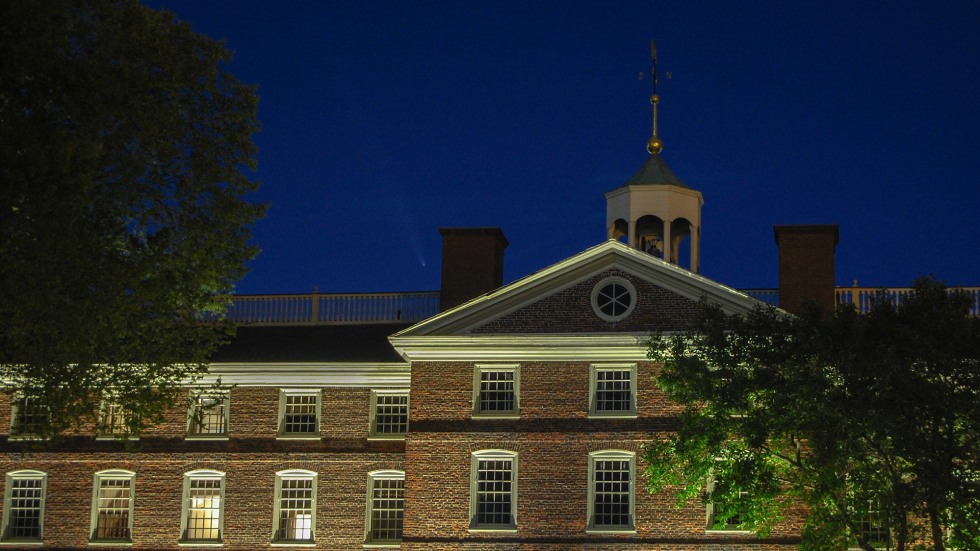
{"x": 709, "y": 510}
{"x": 477, "y": 371}
{"x": 611, "y": 455}
{"x": 202, "y": 474}
{"x": 372, "y": 435}
{"x": 101, "y": 433}
{"x": 593, "y": 381}
{"x": 493, "y": 455}
{"x": 294, "y": 474}
{"x": 99, "y": 476}
{"x": 280, "y": 433}
{"x": 8, "y": 491}
{"x": 225, "y": 397}
{"x": 602, "y": 284}
{"x": 14, "y": 414}
{"x": 369, "y": 507}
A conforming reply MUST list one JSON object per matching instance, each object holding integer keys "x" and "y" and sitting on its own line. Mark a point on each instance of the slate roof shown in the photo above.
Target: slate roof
{"x": 654, "y": 172}
{"x": 312, "y": 343}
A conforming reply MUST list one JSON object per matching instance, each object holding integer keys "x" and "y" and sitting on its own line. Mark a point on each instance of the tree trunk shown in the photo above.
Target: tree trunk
{"x": 937, "y": 530}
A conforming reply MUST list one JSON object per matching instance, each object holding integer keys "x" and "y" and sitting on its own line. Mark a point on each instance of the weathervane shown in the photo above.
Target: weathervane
{"x": 654, "y": 146}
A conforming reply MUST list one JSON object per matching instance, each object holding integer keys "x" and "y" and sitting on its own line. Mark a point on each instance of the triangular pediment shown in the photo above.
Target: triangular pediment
{"x": 566, "y": 299}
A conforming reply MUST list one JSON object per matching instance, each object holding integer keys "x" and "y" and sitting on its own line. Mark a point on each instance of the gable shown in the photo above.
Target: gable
{"x": 571, "y": 311}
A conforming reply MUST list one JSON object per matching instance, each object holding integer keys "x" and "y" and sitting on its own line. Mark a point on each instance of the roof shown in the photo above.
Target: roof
{"x": 311, "y": 343}
{"x": 654, "y": 172}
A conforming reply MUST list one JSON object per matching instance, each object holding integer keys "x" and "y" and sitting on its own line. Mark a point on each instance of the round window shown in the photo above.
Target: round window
{"x": 613, "y": 298}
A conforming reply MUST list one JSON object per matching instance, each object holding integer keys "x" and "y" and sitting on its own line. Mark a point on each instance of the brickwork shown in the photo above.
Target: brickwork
{"x": 806, "y": 266}
{"x": 570, "y": 311}
{"x": 472, "y": 263}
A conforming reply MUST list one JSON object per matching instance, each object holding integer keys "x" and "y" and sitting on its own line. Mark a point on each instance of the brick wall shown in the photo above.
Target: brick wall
{"x": 806, "y": 266}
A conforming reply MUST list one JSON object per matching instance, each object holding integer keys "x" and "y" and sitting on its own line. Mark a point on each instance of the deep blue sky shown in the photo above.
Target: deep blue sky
{"x": 383, "y": 121}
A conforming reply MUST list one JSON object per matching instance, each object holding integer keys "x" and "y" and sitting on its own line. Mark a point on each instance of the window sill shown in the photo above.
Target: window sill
{"x": 393, "y": 437}
{"x": 378, "y": 545}
{"x": 603, "y": 415}
{"x": 15, "y": 541}
{"x": 111, "y": 543}
{"x": 495, "y": 530}
{"x": 298, "y": 437}
{"x": 506, "y": 416}
{"x": 26, "y": 437}
{"x": 611, "y": 530}
{"x": 293, "y": 544}
{"x": 200, "y": 544}
{"x": 115, "y": 438}
{"x": 724, "y": 532}
{"x": 216, "y": 437}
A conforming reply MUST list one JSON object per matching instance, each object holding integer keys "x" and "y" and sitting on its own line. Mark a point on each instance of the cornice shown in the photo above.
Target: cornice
{"x": 354, "y": 375}
{"x": 522, "y": 348}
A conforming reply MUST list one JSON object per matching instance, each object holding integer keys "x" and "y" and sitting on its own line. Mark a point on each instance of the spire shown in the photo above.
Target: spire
{"x": 654, "y": 146}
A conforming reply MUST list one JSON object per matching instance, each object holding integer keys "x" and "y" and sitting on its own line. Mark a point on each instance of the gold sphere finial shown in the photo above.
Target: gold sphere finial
{"x": 655, "y": 99}
{"x": 655, "y": 146}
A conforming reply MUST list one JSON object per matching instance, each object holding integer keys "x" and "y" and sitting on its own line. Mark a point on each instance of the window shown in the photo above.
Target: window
{"x": 23, "y": 513}
{"x": 295, "y": 507}
{"x": 113, "y": 420}
{"x": 726, "y": 506}
{"x": 112, "y": 506}
{"x": 873, "y": 525}
{"x": 496, "y": 391}
{"x": 202, "y": 519}
{"x": 611, "y": 491}
{"x": 493, "y": 493}
{"x": 29, "y": 418}
{"x": 385, "y": 507}
{"x": 613, "y": 298}
{"x": 299, "y": 412}
{"x": 389, "y": 413}
{"x": 208, "y": 417}
{"x": 612, "y": 393}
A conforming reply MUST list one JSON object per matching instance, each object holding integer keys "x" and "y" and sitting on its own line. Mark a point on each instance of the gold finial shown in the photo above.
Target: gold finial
{"x": 654, "y": 145}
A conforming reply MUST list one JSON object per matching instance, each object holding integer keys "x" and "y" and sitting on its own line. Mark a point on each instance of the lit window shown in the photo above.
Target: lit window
{"x": 23, "y": 514}
{"x": 389, "y": 414}
{"x": 613, "y": 298}
{"x": 493, "y": 493}
{"x": 114, "y": 420}
{"x": 299, "y": 414}
{"x": 496, "y": 391}
{"x": 208, "y": 417}
{"x": 726, "y": 506}
{"x": 385, "y": 507}
{"x": 611, "y": 491}
{"x": 112, "y": 506}
{"x": 202, "y": 520}
{"x": 295, "y": 507}
{"x": 29, "y": 418}
{"x": 613, "y": 391}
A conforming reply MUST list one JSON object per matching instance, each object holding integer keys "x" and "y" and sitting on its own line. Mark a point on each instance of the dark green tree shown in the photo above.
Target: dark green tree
{"x": 871, "y": 421}
{"x": 125, "y": 160}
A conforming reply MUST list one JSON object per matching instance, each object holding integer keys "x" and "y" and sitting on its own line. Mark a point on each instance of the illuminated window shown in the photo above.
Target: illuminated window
{"x": 202, "y": 520}
{"x": 295, "y": 507}
{"x": 612, "y": 391}
{"x": 385, "y": 507}
{"x": 208, "y": 417}
{"x": 611, "y": 491}
{"x": 726, "y": 506}
{"x": 613, "y": 298}
{"x": 112, "y": 506}
{"x": 299, "y": 412}
{"x": 389, "y": 414}
{"x": 29, "y": 418}
{"x": 493, "y": 493}
{"x": 496, "y": 391}
{"x": 23, "y": 513}
{"x": 114, "y": 420}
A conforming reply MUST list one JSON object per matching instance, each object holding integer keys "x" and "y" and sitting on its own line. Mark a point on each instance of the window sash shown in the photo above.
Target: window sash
{"x": 497, "y": 391}
{"x": 613, "y": 390}
{"x": 30, "y": 417}
{"x": 390, "y": 414}
{"x": 204, "y": 509}
{"x": 494, "y": 492}
{"x": 114, "y": 509}
{"x": 612, "y": 493}
{"x": 209, "y": 415}
{"x": 114, "y": 419}
{"x": 25, "y": 508}
{"x": 295, "y": 510}
{"x": 299, "y": 414}
{"x": 387, "y": 509}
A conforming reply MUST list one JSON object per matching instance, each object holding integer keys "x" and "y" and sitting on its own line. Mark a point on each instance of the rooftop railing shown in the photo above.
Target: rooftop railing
{"x": 352, "y": 308}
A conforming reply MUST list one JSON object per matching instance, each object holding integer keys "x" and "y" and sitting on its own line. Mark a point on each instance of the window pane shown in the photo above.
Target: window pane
{"x": 24, "y": 518}
{"x": 204, "y": 509}
{"x": 299, "y": 416}
{"x": 209, "y": 416}
{"x": 113, "y": 509}
{"x": 727, "y": 507}
{"x": 612, "y": 493}
{"x": 391, "y": 414}
{"x": 614, "y": 390}
{"x": 497, "y": 391}
{"x": 295, "y": 509}
{"x": 387, "y": 509}
{"x": 115, "y": 420}
{"x": 493, "y": 489}
{"x": 31, "y": 417}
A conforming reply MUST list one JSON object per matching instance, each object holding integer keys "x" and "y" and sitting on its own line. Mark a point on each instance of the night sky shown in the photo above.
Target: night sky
{"x": 384, "y": 121}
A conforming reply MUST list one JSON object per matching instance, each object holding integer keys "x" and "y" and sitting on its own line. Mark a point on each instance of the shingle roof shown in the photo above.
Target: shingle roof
{"x": 654, "y": 172}
{"x": 318, "y": 343}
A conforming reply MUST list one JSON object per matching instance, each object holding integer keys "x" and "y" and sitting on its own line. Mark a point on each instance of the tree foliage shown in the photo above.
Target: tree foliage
{"x": 125, "y": 158}
{"x": 871, "y": 421}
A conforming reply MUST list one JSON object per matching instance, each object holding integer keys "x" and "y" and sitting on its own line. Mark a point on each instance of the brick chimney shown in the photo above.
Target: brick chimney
{"x": 472, "y": 263}
{"x": 806, "y": 266}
